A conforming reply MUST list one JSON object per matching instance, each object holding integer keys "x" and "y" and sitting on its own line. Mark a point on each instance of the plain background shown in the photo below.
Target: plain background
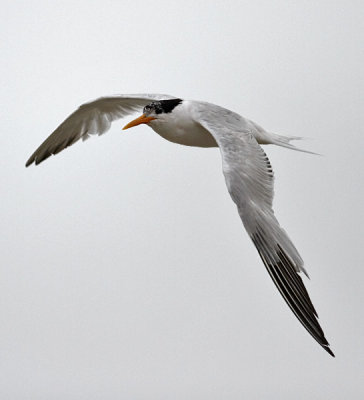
{"x": 125, "y": 270}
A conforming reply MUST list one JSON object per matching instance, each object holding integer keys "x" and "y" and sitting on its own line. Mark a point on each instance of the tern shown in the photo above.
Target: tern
{"x": 247, "y": 170}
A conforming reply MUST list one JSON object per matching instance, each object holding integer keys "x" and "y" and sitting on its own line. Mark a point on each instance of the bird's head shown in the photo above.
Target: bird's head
{"x": 156, "y": 110}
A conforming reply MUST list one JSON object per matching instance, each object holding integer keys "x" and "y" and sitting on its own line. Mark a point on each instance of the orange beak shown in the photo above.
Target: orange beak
{"x": 143, "y": 119}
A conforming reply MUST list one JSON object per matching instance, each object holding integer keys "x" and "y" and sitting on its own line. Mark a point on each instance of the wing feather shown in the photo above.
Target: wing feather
{"x": 249, "y": 178}
{"x": 93, "y": 118}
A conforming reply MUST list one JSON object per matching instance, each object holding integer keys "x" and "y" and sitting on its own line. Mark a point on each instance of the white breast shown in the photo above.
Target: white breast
{"x": 178, "y": 127}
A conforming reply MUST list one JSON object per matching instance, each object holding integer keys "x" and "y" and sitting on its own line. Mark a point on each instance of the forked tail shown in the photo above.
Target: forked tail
{"x": 285, "y": 141}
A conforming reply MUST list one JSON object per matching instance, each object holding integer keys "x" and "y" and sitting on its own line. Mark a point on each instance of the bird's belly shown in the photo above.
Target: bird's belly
{"x": 191, "y": 134}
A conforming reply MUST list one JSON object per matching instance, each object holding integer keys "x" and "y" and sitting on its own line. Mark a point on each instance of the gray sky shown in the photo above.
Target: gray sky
{"x": 125, "y": 269}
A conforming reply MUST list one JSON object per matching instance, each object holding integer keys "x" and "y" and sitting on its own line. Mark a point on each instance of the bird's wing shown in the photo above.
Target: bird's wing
{"x": 91, "y": 118}
{"x": 249, "y": 178}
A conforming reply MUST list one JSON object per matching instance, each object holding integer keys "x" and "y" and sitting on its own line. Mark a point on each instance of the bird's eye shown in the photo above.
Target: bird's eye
{"x": 147, "y": 108}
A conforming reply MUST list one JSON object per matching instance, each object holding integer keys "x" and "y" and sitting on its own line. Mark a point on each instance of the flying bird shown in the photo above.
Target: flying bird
{"x": 246, "y": 167}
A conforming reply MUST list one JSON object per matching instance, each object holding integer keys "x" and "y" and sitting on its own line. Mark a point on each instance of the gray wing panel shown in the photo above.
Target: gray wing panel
{"x": 249, "y": 178}
{"x": 93, "y": 118}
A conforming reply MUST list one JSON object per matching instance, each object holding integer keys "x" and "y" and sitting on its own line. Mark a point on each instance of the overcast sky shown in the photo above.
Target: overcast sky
{"x": 125, "y": 269}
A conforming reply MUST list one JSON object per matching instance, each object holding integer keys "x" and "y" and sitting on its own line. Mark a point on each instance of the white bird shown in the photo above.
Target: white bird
{"x": 246, "y": 167}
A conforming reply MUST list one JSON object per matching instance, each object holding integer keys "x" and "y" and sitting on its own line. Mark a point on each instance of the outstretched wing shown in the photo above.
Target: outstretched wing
{"x": 91, "y": 118}
{"x": 249, "y": 178}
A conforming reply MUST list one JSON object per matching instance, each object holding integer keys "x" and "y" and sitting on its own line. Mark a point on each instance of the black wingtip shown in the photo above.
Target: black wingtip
{"x": 36, "y": 160}
{"x": 327, "y": 348}
{"x": 291, "y": 287}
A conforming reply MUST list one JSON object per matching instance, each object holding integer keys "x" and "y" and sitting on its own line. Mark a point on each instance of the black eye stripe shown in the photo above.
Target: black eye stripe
{"x": 168, "y": 105}
{"x": 163, "y": 106}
